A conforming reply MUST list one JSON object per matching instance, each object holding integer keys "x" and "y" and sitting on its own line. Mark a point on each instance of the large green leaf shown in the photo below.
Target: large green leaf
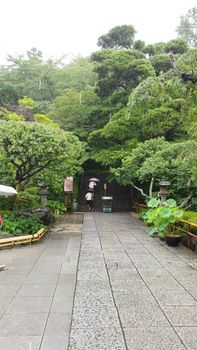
{"x": 171, "y": 203}
{"x": 153, "y": 203}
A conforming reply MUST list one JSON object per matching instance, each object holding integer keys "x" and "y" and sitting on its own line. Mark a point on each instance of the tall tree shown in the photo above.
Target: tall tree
{"x": 187, "y": 28}
{"x": 74, "y": 110}
{"x": 120, "y": 37}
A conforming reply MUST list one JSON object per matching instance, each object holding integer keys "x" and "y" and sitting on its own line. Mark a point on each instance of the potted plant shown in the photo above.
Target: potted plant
{"x": 160, "y": 217}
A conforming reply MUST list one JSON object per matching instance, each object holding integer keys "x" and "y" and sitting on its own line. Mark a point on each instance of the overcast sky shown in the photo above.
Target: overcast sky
{"x": 72, "y": 27}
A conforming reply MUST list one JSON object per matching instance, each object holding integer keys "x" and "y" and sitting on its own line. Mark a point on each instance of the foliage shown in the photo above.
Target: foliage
{"x": 128, "y": 173}
{"x": 158, "y": 159}
{"x": 138, "y": 45}
{"x": 78, "y": 75}
{"x": 27, "y": 149}
{"x": 26, "y": 102}
{"x": 154, "y": 49}
{"x": 120, "y": 69}
{"x": 29, "y": 75}
{"x": 190, "y": 216}
{"x": 118, "y": 37}
{"x": 176, "y": 46}
{"x": 188, "y": 62}
{"x": 44, "y": 119}
{"x": 74, "y": 110}
{"x": 27, "y": 199}
{"x": 16, "y": 225}
{"x": 56, "y": 206}
{"x": 157, "y": 96}
{"x": 160, "y": 217}
{"x": 13, "y": 116}
{"x": 176, "y": 163}
{"x": 161, "y": 63}
{"x": 187, "y": 28}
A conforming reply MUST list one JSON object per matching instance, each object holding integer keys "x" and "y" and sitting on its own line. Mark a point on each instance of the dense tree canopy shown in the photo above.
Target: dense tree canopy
{"x": 27, "y": 149}
{"x": 120, "y": 37}
{"x": 133, "y": 104}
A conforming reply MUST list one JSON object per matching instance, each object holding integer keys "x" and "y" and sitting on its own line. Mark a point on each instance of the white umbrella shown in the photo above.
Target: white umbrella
{"x": 94, "y": 179}
{"x": 7, "y": 191}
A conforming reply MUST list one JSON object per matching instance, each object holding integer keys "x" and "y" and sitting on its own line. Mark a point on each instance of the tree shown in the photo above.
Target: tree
{"x": 138, "y": 45}
{"x": 161, "y": 63}
{"x": 158, "y": 106}
{"x": 177, "y": 163}
{"x": 120, "y": 69}
{"x": 187, "y": 29}
{"x": 128, "y": 173}
{"x": 30, "y": 76}
{"x": 26, "y": 102}
{"x": 154, "y": 49}
{"x": 77, "y": 75}
{"x": 45, "y": 120}
{"x": 154, "y": 160}
{"x": 163, "y": 104}
{"x": 176, "y": 46}
{"x": 74, "y": 110}
{"x": 120, "y": 37}
{"x": 27, "y": 149}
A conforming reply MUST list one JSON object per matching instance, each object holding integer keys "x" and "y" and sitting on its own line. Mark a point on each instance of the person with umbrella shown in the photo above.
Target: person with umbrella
{"x": 93, "y": 183}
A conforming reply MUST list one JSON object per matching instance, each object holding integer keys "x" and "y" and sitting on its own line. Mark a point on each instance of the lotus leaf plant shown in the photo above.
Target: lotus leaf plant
{"x": 160, "y": 217}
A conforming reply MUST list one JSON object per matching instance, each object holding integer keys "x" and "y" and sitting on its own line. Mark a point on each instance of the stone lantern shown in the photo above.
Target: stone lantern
{"x": 43, "y": 193}
{"x": 163, "y": 190}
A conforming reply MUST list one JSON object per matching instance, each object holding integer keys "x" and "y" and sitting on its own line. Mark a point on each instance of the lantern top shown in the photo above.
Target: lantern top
{"x": 164, "y": 183}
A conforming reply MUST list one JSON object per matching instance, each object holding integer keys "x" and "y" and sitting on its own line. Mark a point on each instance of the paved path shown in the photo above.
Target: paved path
{"x": 132, "y": 292}
{"x": 37, "y": 289}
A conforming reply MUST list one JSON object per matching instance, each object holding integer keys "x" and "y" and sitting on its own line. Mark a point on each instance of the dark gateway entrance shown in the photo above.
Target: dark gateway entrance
{"x": 121, "y": 194}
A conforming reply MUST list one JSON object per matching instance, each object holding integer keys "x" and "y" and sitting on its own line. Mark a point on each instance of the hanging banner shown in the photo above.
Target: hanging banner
{"x": 68, "y": 184}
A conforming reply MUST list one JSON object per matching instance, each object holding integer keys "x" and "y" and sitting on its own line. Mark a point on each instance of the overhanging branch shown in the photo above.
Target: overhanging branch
{"x": 140, "y": 190}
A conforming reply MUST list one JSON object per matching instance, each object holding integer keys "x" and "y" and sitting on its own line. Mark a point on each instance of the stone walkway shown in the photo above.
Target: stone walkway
{"x": 37, "y": 289}
{"x": 132, "y": 291}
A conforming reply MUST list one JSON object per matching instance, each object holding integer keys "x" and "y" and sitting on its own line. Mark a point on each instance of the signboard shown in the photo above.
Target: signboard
{"x": 68, "y": 184}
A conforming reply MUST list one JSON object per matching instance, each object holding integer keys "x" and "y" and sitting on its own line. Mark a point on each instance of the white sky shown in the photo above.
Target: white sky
{"x": 58, "y": 27}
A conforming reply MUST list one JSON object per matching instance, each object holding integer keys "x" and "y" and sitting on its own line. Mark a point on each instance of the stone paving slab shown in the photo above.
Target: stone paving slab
{"x": 169, "y": 298}
{"x": 181, "y": 315}
{"x": 131, "y": 299}
{"x": 142, "y": 315}
{"x": 188, "y": 335}
{"x": 152, "y": 338}
{"x": 20, "y": 343}
{"x": 29, "y": 304}
{"x": 96, "y": 339}
{"x": 94, "y": 300}
{"x": 103, "y": 316}
{"x": 37, "y": 290}
{"x": 58, "y": 324}
{"x": 23, "y": 324}
{"x": 54, "y": 343}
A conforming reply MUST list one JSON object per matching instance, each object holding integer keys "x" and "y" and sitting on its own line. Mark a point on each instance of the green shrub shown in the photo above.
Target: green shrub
{"x": 17, "y": 225}
{"x": 56, "y": 206}
{"x": 28, "y": 198}
{"x": 6, "y": 203}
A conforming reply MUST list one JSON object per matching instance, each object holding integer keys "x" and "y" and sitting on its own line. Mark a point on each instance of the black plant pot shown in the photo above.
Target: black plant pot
{"x": 173, "y": 241}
